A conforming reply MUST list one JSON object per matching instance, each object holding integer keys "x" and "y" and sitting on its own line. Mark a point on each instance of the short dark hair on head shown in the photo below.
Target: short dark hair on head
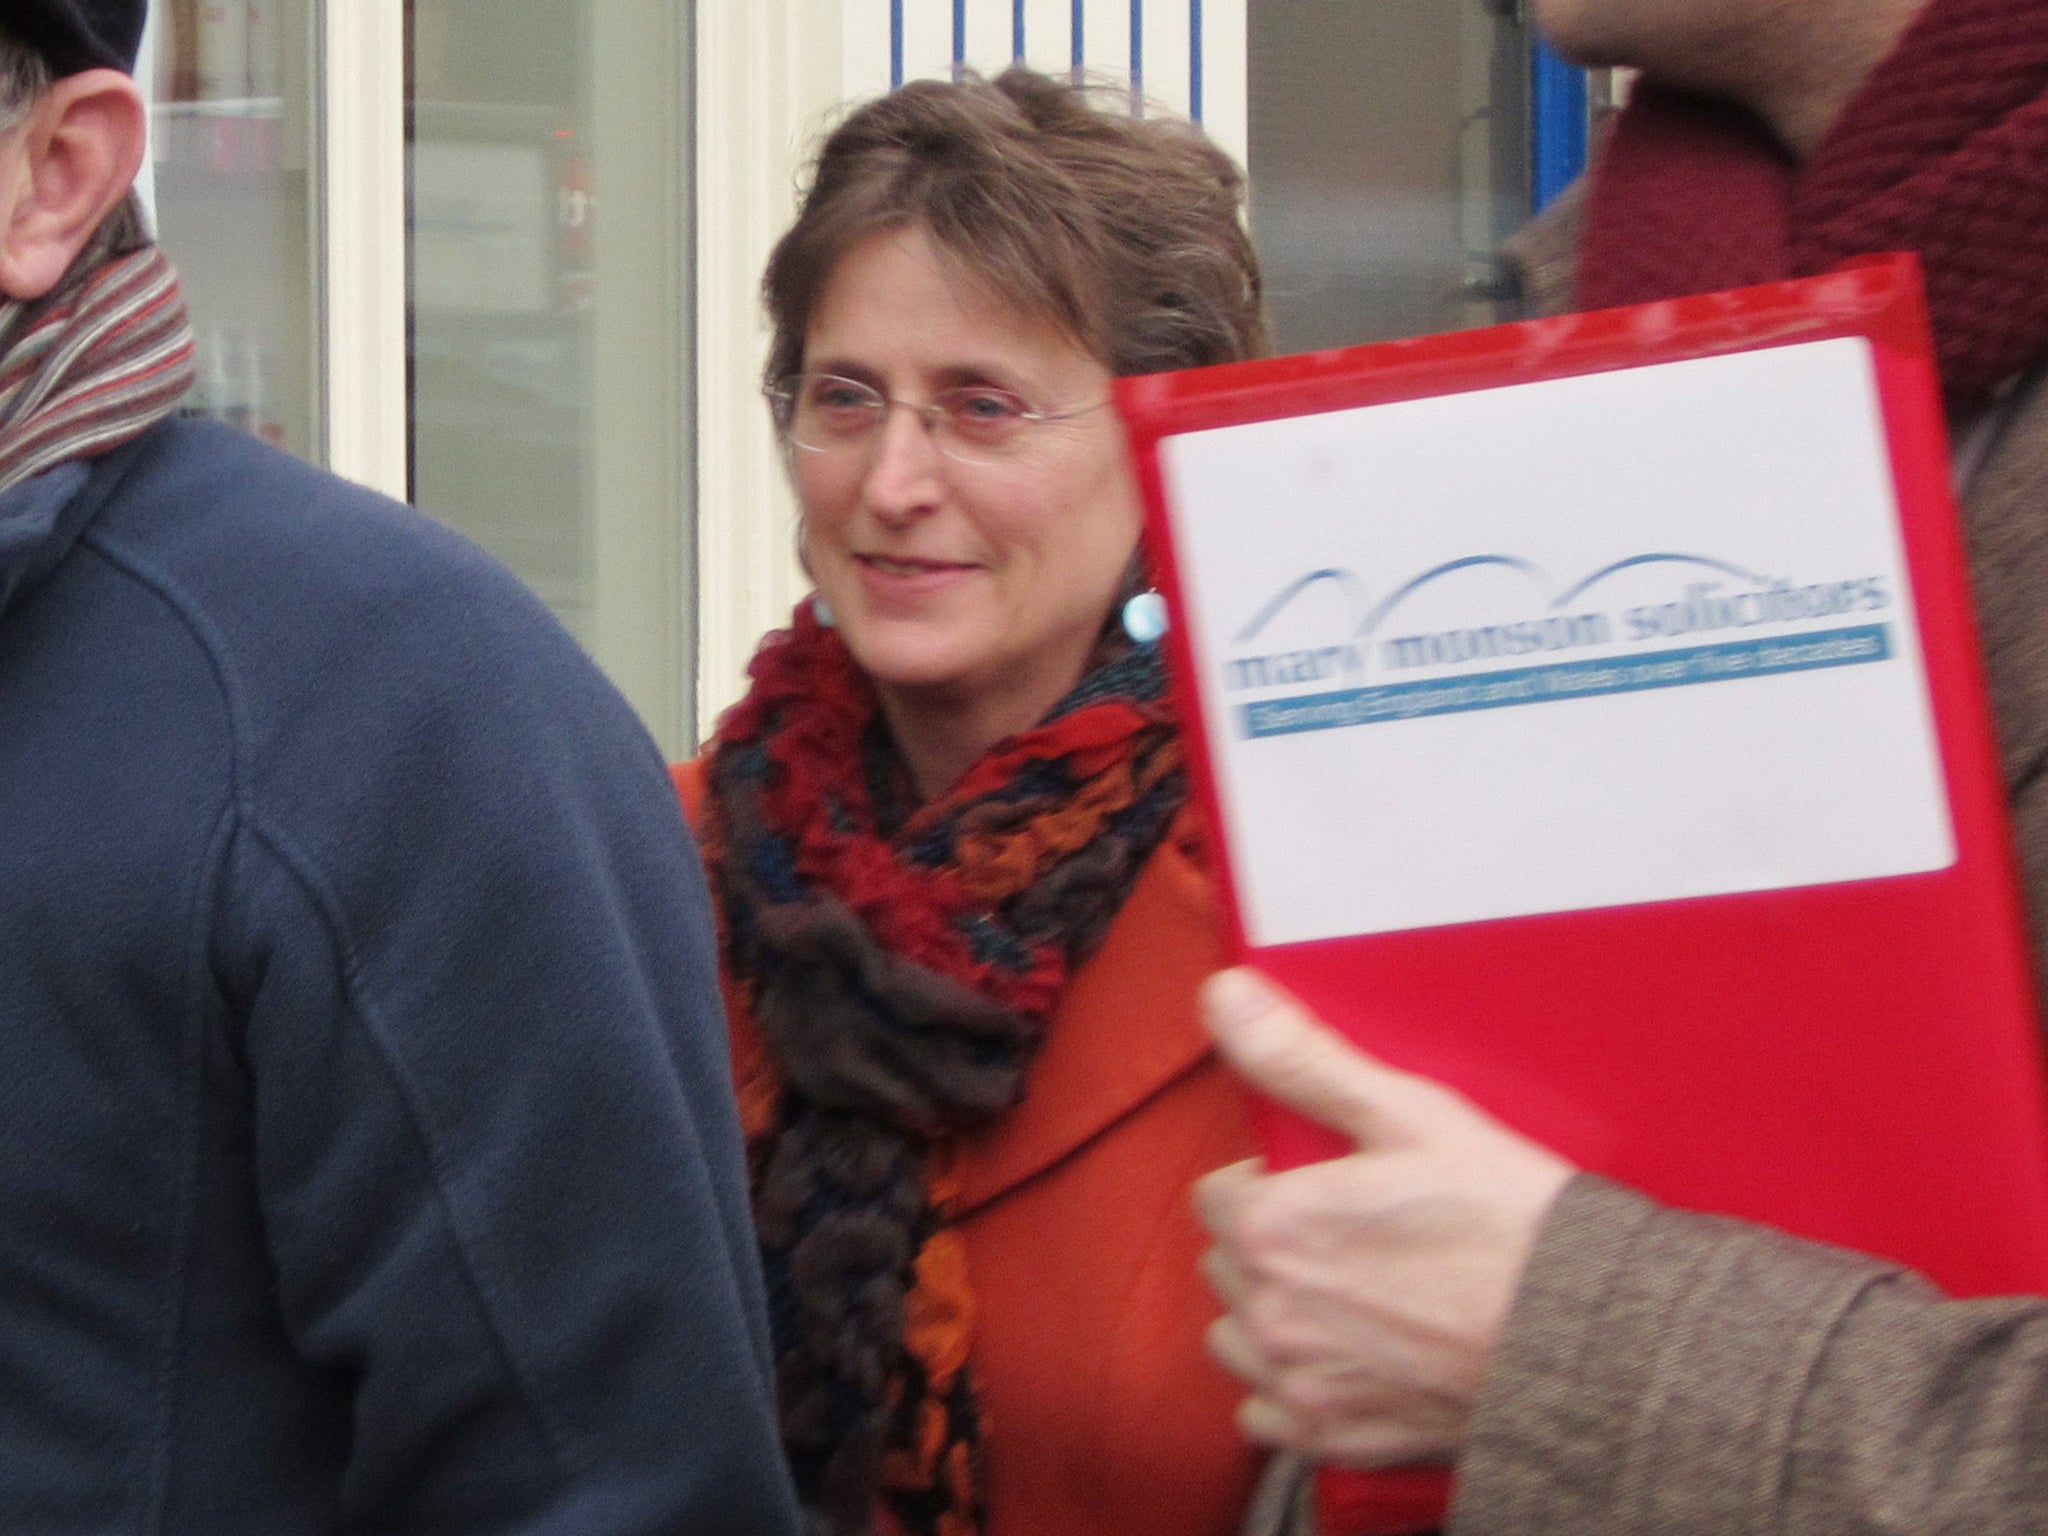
{"x": 24, "y": 77}
{"x": 1123, "y": 231}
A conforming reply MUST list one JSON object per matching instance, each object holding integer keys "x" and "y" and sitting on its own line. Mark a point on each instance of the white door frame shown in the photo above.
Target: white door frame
{"x": 360, "y": 101}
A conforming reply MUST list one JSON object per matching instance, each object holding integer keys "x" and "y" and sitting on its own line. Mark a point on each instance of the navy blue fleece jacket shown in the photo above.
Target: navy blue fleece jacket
{"x": 366, "y": 1155}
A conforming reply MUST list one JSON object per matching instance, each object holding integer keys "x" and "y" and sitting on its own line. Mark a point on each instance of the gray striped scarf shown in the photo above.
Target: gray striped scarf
{"x": 101, "y": 365}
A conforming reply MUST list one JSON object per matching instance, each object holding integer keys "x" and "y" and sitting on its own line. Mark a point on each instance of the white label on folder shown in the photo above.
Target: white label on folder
{"x": 1632, "y": 636}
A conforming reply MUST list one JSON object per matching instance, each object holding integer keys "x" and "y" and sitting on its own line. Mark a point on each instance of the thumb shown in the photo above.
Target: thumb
{"x": 1285, "y": 1052}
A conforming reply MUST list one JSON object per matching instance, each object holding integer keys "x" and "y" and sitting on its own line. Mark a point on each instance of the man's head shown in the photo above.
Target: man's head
{"x": 72, "y": 133}
{"x": 1795, "y": 63}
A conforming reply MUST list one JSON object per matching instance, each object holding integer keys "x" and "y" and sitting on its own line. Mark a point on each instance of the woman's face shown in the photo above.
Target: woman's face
{"x": 978, "y": 587}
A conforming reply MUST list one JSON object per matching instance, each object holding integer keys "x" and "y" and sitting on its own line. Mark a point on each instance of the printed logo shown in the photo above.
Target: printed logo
{"x": 1608, "y": 632}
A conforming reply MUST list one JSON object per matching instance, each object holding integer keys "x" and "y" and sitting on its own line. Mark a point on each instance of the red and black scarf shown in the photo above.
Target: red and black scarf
{"x": 1943, "y": 151}
{"x": 93, "y": 368}
{"x": 902, "y": 962}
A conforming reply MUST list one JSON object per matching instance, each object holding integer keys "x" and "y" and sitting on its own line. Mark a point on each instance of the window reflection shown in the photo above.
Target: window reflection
{"x": 1389, "y": 159}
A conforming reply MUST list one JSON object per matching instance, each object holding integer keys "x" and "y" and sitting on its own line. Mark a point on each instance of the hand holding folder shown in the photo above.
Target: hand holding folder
{"x": 1367, "y": 1291}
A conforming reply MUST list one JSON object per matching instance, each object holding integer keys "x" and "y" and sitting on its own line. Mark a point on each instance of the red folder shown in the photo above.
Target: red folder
{"x": 1857, "y": 1062}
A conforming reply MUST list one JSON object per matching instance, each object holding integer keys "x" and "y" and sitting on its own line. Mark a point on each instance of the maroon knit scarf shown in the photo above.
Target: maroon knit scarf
{"x": 1944, "y": 151}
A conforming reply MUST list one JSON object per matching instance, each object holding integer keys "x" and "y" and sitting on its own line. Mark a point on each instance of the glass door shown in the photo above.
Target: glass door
{"x": 1390, "y": 155}
{"x": 549, "y": 259}
{"x": 233, "y": 188}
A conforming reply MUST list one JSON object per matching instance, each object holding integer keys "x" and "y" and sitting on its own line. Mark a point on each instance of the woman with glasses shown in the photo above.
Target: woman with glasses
{"x": 963, "y": 902}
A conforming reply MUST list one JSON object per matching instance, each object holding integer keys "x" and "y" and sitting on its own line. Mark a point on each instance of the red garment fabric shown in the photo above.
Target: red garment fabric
{"x": 1944, "y": 152}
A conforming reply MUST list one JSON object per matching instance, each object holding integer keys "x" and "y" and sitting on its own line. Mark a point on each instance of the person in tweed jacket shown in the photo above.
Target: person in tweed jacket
{"x": 1593, "y": 1362}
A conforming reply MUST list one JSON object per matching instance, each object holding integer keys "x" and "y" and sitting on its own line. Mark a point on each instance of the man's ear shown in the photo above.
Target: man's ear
{"x": 78, "y": 152}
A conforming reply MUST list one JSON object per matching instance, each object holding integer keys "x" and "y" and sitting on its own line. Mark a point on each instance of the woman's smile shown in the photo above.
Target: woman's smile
{"x": 907, "y": 566}
{"x": 903, "y": 587}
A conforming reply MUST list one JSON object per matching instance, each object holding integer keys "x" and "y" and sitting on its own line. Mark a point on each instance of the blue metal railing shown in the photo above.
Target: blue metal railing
{"x": 1078, "y": 50}
{"x": 1558, "y": 90}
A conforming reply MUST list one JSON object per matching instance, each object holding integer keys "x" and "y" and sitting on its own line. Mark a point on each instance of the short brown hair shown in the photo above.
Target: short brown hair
{"x": 1123, "y": 231}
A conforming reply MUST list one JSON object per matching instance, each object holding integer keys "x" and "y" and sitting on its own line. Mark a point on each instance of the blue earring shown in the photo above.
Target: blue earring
{"x": 822, "y": 613}
{"x": 1145, "y": 617}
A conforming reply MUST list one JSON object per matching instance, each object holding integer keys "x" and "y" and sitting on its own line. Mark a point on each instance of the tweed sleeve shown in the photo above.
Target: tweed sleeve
{"x": 1670, "y": 1372}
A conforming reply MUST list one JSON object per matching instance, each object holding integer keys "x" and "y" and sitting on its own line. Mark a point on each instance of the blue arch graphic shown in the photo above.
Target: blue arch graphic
{"x": 1394, "y": 599}
{"x": 1348, "y": 580}
{"x": 1666, "y": 558}
{"x": 1354, "y": 590}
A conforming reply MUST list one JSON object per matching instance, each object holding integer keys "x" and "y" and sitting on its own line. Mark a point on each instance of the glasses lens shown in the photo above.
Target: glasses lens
{"x": 975, "y": 423}
{"x": 826, "y": 411}
{"x": 979, "y": 421}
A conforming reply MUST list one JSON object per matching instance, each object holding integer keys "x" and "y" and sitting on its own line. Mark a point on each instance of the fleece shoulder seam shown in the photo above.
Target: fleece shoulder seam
{"x": 303, "y": 871}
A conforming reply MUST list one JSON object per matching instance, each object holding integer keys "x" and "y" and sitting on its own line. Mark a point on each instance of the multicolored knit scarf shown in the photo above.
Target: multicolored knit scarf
{"x": 1944, "y": 151}
{"x": 98, "y": 366}
{"x": 902, "y": 962}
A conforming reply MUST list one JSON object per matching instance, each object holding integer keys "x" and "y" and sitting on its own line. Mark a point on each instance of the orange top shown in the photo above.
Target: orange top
{"x": 1101, "y": 1414}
